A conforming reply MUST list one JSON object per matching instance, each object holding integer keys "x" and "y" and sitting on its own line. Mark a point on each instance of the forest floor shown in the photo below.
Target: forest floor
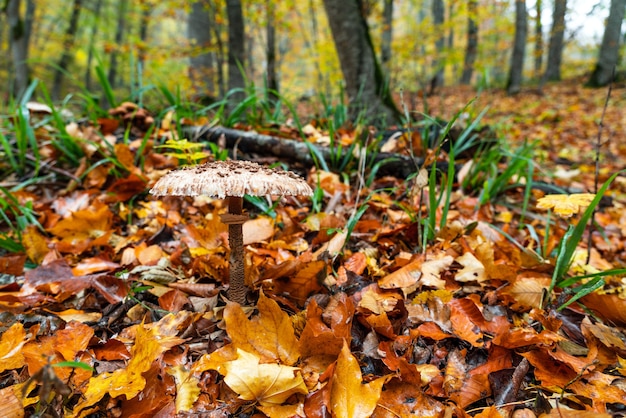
{"x": 111, "y": 300}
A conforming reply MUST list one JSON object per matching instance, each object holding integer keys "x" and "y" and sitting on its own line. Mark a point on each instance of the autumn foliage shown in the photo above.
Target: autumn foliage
{"x": 114, "y": 306}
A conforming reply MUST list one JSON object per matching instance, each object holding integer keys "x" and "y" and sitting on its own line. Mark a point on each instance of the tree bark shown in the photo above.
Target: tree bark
{"x": 517, "y": 57}
{"x": 250, "y": 142}
{"x": 202, "y": 60}
{"x": 386, "y": 38}
{"x": 365, "y": 84}
{"x": 555, "y": 48}
{"x": 438, "y": 11}
{"x": 471, "y": 49}
{"x": 66, "y": 55}
{"x": 608, "y": 56}
{"x": 20, "y": 30}
{"x": 92, "y": 42}
{"x": 272, "y": 77}
{"x": 122, "y": 7}
{"x": 538, "y": 54}
{"x": 236, "y": 51}
{"x": 144, "y": 24}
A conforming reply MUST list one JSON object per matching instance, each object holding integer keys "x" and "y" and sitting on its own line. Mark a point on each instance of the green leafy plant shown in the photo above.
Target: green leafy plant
{"x": 565, "y": 254}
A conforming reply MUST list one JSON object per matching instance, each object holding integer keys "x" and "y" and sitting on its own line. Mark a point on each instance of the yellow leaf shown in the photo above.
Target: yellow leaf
{"x": 11, "y": 344}
{"x": 565, "y": 205}
{"x": 35, "y": 244}
{"x": 187, "y": 389}
{"x": 149, "y": 345}
{"x": 283, "y": 411}
{"x": 268, "y": 384}
{"x": 270, "y": 335}
{"x": 349, "y": 397}
{"x": 472, "y": 271}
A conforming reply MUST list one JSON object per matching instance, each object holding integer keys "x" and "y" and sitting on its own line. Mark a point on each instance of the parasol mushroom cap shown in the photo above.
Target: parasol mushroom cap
{"x": 236, "y": 178}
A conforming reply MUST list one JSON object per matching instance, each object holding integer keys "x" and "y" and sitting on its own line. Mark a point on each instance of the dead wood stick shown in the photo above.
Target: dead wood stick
{"x": 250, "y": 142}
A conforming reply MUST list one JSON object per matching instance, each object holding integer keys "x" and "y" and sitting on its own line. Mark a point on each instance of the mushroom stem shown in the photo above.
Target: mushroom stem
{"x": 237, "y": 290}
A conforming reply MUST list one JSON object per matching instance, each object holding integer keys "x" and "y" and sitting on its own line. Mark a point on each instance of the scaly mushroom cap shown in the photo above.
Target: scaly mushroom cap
{"x": 230, "y": 178}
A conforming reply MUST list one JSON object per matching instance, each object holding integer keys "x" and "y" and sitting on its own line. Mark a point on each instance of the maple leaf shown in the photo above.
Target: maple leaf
{"x": 267, "y": 384}
{"x": 565, "y": 205}
{"x": 349, "y": 397}
{"x": 270, "y": 335}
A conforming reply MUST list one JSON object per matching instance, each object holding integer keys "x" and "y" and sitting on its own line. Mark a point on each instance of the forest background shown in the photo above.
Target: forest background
{"x": 288, "y": 45}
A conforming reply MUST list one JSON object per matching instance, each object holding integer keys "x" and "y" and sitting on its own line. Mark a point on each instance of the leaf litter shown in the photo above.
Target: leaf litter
{"x": 358, "y": 324}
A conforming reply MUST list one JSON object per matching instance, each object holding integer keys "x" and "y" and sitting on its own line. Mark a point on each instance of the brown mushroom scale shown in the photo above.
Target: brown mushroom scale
{"x": 232, "y": 180}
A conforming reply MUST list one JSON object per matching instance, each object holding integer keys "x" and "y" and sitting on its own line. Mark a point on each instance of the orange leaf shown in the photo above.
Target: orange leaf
{"x": 35, "y": 244}
{"x": 318, "y": 339}
{"x": 349, "y": 397}
{"x": 270, "y": 335}
{"x": 11, "y": 343}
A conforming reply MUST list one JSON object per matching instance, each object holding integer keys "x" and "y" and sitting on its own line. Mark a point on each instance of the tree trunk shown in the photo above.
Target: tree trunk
{"x": 471, "y": 50}
{"x": 20, "y": 30}
{"x": 236, "y": 51}
{"x": 438, "y": 11}
{"x": 122, "y": 7}
{"x": 202, "y": 61}
{"x": 538, "y": 40}
{"x": 555, "y": 48}
{"x": 144, "y": 24}
{"x": 66, "y": 55}
{"x": 386, "y": 38}
{"x": 609, "y": 50}
{"x": 519, "y": 45}
{"x": 272, "y": 77}
{"x": 92, "y": 42}
{"x": 365, "y": 84}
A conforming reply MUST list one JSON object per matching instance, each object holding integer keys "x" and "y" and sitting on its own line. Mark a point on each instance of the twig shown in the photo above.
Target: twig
{"x": 592, "y": 221}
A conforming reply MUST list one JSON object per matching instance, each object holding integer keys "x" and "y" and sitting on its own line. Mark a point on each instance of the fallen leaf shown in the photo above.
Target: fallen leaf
{"x": 270, "y": 335}
{"x": 349, "y": 396}
{"x": 11, "y": 343}
{"x": 565, "y": 205}
{"x": 267, "y": 384}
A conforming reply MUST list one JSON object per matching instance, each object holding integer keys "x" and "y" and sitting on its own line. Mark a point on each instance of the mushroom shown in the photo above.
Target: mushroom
{"x": 232, "y": 180}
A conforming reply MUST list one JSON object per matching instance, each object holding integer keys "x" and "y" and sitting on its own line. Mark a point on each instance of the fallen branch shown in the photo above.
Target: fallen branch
{"x": 250, "y": 142}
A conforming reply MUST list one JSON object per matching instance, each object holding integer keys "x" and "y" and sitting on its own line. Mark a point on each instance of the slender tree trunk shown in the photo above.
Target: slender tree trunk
{"x": 144, "y": 25}
{"x": 538, "y": 55}
{"x": 386, "y": 38}
{"x": 471, "y": 50}
{"x": 92, "y": 42}
{"x": 68, "y": 46}
{"x": 122, "y": 6}
{"x": 438, "y": 11}
{"x": 608, "y": 56}
{"x": 236, "y": 50}
{"x": 450, "y": 43}
{"x": 272, "y": 77}
{"x": 519, "y": 46}
{"x": 200, "y": 22}
{"x": 555, "y": 48}
{"x": 20, "y": 30}
{"x": 365, "y": 84}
